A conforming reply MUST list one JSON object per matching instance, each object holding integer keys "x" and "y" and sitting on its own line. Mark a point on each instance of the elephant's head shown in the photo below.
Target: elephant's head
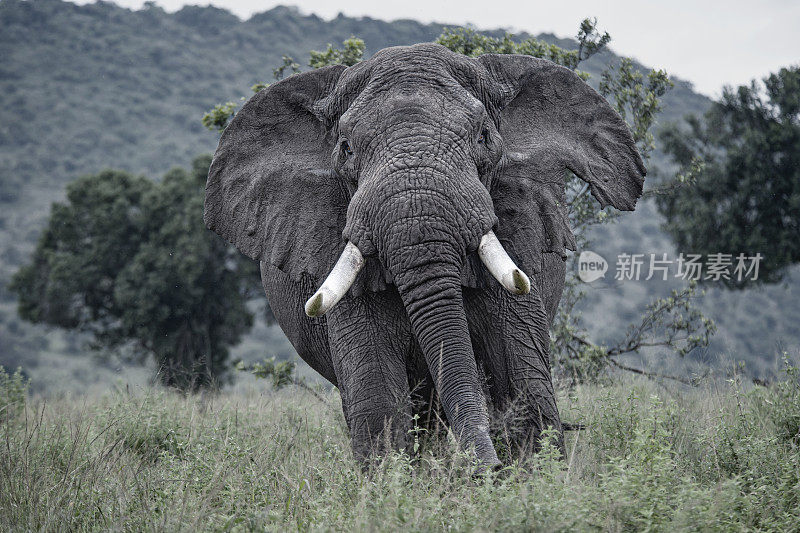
{"x": 410, "y": 163}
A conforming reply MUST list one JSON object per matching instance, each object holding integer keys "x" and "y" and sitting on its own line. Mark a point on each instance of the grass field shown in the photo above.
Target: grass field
{"x": 722, "y": 457}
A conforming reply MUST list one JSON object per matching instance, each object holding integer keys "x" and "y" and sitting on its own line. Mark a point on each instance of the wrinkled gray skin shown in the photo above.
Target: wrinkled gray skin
{"x": 413, "y": 155}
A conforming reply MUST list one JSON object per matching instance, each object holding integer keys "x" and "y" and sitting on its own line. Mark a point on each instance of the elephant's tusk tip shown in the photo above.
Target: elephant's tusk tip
{"x": 337, "y": 283}
{"x": 501, "y": 266}
{"x": 519, "y": 283}
{"x": 314, "y": 305}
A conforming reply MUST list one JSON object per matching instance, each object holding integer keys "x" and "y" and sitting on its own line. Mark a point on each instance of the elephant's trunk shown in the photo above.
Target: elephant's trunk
{"x": 434, "y": 305}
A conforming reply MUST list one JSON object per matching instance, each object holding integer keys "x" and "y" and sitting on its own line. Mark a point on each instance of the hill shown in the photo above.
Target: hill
{"x": 84, "y": 88}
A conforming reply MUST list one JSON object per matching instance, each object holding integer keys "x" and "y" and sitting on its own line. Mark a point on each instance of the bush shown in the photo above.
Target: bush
{"x": 13, "y": 392}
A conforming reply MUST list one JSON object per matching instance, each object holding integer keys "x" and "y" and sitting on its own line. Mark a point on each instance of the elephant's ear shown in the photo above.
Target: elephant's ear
{"x": 271, "y": 190}
{"x": 551, "y": 121}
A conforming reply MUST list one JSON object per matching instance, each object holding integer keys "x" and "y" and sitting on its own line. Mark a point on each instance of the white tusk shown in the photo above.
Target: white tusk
{"x": 501, "y": 266}
{"x": 338, "y": 281}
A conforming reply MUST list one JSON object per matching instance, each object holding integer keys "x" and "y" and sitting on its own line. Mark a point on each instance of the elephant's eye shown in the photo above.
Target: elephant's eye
{"x": 346, "y": 150}
{"x": 483, "y": 136}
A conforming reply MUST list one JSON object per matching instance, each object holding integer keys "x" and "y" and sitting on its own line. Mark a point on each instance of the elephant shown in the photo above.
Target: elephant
{"x": 409, "y": 216}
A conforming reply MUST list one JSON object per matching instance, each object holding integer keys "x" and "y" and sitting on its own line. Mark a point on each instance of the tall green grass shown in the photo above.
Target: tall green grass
{"x": 718, "y": 458}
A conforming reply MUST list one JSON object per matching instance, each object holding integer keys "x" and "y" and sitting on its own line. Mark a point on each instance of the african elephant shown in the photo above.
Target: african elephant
{"x": 419, "y": 187}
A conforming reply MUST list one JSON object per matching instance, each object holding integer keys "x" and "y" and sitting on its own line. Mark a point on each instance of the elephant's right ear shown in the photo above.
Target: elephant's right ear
{"x": 271, "y": 189}
{"x": 553, "y": 121}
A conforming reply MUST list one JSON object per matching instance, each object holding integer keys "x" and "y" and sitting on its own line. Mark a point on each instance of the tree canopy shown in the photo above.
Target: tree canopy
{"x": 130, "y": 261}
{"x": 743, "y": 156}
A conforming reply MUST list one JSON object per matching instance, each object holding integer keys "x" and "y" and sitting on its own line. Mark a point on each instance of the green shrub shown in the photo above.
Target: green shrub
{"x": 13, "y": 392}
{"x": 784, "y": 402}
{"x": 149, "y": 426}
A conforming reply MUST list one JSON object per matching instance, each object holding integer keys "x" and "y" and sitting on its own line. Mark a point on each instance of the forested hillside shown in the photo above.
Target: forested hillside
{"x": 84, "y": 88}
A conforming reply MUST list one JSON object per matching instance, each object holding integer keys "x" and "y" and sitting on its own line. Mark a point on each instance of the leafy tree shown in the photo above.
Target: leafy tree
{"x": 636, "y": 97}
{"x": 129, "y": 261}
{"x": 744, "y": 159}
{"x": 217, "y": 118}
{"x": 351, "y": 54}
{"x": 473, "y": 44}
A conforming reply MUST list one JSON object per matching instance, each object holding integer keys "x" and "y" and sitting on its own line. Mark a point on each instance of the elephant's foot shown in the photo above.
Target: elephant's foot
{"x": 376, "y": 434}
{"x": 530, "y": 421}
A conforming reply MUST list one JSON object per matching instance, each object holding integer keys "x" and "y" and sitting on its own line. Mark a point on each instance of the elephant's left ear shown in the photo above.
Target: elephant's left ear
{"x": 271, "y": 188}
{"x": 551, "y": 121}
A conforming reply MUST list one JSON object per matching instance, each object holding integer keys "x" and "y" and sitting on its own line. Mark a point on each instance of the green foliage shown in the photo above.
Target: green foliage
{"x": 744, "y": 159}
{"x": 13, "y": 392}
{"x": 672, "y": 323}
{"x": 473, "y": 44}
{"x": 129, "y": 261}
{"x": 88, "y": 241}
{"x": 279, "y": 72}
{"x": 217, "y": 117}
{"x": 258, "y": 87}
{"x": 589, "y": 39}
{"x": 652, "y": 458}
{"x": 637, "y": 99}
{"x": 280, "y": 373}
{"x": 351, "y": 53}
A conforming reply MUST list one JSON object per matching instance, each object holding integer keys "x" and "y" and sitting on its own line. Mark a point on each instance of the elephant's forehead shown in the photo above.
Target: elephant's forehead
{"x": 421, "y": 65}
{"x": 426, "y": 55}
{"x": 409, "y": 82}
{"x": 398, "y": 101}
{"x": 429, "y": 73}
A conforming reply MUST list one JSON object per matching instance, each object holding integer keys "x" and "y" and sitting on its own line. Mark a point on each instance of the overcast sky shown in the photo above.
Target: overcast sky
{"x": 710, "y": 43}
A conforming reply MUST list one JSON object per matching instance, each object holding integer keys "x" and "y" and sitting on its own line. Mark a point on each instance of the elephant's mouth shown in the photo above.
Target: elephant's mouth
{"x": 351, "y": 261}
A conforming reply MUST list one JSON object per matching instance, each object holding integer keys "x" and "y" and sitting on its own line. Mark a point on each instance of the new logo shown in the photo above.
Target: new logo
{"x": 591, "y": 267}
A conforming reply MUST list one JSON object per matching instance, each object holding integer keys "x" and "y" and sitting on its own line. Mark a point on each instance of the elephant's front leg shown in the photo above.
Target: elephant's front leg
{"x": 510, "y": 338}
{"x": 370, "y": 341}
